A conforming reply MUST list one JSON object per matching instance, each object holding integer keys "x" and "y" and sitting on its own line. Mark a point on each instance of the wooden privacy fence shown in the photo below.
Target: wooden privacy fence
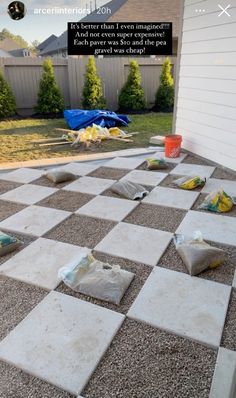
{"x": 23, "y": 74}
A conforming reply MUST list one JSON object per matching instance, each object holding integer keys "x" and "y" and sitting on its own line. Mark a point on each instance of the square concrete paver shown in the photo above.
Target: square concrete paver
{"x": 23, "y": 175}
{"x": 34, "y": 220}
{"x": 90, "y": 185}
{"x": 224, "y": 381}
{"x": 214, "y": 184}
{"x": 61, "y": 341}
{"x": 108, "y": 208}
{"x": 171, "y": 197}
{"x": 161, "y": 155}
{"x": 124, "y": 163}
{"x": 141, "y": 244}
{"x": 79, "y": 169}
{"x": 217, "y": 228}
{"x": 193, "y": 170}
{"x": 28, "y": 194}
{"x": 38, "y": 263}
{"x": 149, "y": 178}
{"x": 184, "y": 305}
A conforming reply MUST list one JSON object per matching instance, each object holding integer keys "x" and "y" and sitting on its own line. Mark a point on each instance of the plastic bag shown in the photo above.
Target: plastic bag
{"x": 129, "y": 190}
{"x": 156, "y": 164}
{"x": 198, "y": 255}
{"x": 190, "y": 183}
{"x": 97, "y": 279}
{"x": 218, "y": 202}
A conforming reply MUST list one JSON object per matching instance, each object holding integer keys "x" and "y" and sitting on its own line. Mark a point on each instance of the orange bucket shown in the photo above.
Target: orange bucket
{"x": 173, "y": 146}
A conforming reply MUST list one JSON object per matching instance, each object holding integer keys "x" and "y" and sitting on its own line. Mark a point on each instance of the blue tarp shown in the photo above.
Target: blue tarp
{"x": 78, "y": 119}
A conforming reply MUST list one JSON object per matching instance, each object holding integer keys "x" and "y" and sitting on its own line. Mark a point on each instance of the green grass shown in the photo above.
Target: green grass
{"x": 17, "y": 135}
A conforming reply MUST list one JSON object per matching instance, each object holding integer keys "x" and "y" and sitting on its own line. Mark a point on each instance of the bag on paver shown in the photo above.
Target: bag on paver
{"x": 58, "y": 176}
{"x": 190, "y": 183}
{"x": 129, "y": 190}
{"x": 156, "y": 164}
{"x": 96, "y": 279}
{"x": 219, "y": 202}
{"x": 198, "y": 255}
{"x": 8, "y": 244}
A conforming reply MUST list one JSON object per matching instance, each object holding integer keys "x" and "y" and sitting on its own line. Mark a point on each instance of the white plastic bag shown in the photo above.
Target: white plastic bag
{"x": 97, "y": 279}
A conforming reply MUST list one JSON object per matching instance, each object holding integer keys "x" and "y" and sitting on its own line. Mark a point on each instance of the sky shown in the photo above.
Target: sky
{"x": 38, "y": 26}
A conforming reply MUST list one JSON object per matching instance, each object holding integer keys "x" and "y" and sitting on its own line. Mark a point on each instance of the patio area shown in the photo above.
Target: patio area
{"x": 164, "y": 337}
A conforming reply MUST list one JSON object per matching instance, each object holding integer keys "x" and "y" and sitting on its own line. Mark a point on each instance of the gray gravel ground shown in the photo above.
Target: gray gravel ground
{"x": 7, "y": 209}
{"x": 141, "y": 272}
{"x": 168, "y": 182}
{"x": 81, "y": 230}
{"x": 17, "y": 300}
{"x": 159, "y": 217}
{"x": 6, "y": 186}
{"x": 109, "y": 173}
{"x": 199, "y": 201}
{"x": 17, "y": 384}
{"x": 66, "y": 200}
{"x": 222, "y": 274}
{"x": 191, "y": 159}
{"x": 45, "y": 182}
{"x": 144, "y": 362}
{"x": 26, "y": 239}
{"x": 229, "y": 333}
{"x": 224, "y": 174}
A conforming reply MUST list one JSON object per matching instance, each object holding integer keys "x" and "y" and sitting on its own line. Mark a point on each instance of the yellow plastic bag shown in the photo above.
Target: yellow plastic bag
{"x": 190, "y": 183}
{"x": 156, "y": 164}
{"x": 219, "y": 202}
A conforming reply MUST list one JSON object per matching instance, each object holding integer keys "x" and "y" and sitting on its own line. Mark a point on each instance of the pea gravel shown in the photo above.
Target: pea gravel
{"x": 45, "y": 182}
{"x": 229, "y": 333}
{"x": 109, "y": 173}
{"x": 6, "y": 186}
{"x": 223, "y": 274}
{"x": 141, "y": 272}
{"x": 222, "y": 173}
{"x": 17, "y": 300}
{"x": 17, "y": 384}
{"x": 7, "y": 209}
{"x": 199, "y": 201}
{"x": 66, "y": 200}
{"x": 144, "y": 362}
{"x": 190, "y": 159}
{"x": 81, "y": 230}
{"x": 159, "y": 217}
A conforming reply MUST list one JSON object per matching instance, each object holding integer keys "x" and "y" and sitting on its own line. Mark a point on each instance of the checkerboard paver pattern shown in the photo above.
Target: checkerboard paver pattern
{"x": 54, "y": 352}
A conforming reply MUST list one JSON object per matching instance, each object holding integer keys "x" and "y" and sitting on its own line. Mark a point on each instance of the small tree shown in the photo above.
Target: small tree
{"x": 7, "y": 99}
{"x": 132, "y": 96}
{"x": 166, "y": 92}
{"x": 50, "y": 99}
{"x": 92, "y": 92}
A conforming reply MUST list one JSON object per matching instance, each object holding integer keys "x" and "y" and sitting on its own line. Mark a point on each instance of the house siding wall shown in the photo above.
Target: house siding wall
{"x": 206, "y": 99}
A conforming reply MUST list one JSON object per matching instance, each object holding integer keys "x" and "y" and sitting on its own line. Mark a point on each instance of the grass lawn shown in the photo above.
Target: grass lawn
{"x": 17, "y": 136}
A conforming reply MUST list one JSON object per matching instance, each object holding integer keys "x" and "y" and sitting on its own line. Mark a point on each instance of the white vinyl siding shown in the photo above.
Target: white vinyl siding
{"x": 206, "y": 100}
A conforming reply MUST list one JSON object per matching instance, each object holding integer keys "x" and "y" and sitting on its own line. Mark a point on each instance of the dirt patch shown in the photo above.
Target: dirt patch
{"x": 229, "y": 333}
{"x": 141, "y": 272}
{"x": 81, "y": 230}
{"x": 221, "y": 173}
{"x": 7, "y": 209}
{"x": 144, "y": 362}
{"x": 223, "y": 274}
{"x": 159, "y": 217}
{"x": 109, "y": 173}
{"x": 66, "y": 200}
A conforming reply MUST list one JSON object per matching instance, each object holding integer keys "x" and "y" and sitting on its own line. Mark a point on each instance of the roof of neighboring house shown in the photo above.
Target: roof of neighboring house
{"x": 46, "y": 42}
{"x": 128, "y": 11}
{"x": 9, "y": 45}
{"x": 20, "y": 52}
{"x": 59, "y": 44}
{"x": 4, "y": 54}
